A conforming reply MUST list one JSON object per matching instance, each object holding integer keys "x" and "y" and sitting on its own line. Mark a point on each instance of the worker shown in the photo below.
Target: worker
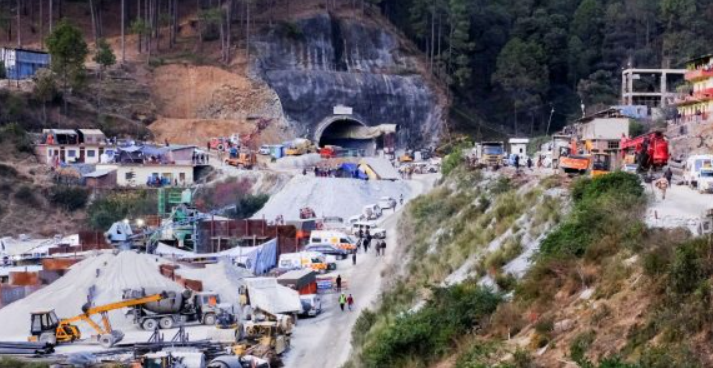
{"x": 668, "y": 174}
{"x": 354, "y": 258}
{"x": 529, "y": 163}
{"x": 401, "y": 199}
{"x": 350, "y": 301}
{"x": 662, "y": 185}
{"x": 339, "y": 283}
{"x": 304, "y": 171}
{"x": 342, "y": 301}
{"x": 517, "y": 162}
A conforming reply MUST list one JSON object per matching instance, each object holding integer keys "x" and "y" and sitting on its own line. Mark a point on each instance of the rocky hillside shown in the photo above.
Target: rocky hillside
{"x": 527, "y": 271}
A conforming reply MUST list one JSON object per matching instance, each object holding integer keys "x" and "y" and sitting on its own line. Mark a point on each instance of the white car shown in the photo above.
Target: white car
{"x": 264, "y": 150}
{"x": 375, "y": 231}
{"x": 386, "y": 202}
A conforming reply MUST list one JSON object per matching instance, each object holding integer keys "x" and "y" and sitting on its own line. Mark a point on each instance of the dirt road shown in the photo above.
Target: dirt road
{"x": 325, "y": 341}
{"x": 683, "y": 207}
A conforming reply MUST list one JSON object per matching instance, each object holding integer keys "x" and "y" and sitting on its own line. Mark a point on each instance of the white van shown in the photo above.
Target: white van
{"x": 698, "y": 172}
{"x": 375, "y": 231}
{"x": 336, "y": 238}
{"x": 312, "y": 260}
{"x": 371, "y": 212}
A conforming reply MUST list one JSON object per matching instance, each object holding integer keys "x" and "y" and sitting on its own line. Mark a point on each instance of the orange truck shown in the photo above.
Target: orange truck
{"x": 575, "y": 164}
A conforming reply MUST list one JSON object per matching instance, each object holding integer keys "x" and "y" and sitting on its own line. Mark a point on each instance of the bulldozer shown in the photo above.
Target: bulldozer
{"x": 47, "y": 328}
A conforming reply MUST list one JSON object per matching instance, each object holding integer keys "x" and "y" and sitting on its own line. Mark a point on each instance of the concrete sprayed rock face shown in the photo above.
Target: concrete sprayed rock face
{"x": 322, "y": 61}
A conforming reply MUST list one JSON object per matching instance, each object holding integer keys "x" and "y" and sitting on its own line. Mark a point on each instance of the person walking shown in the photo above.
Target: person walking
{"x": 662, "y": 185}
{"x": 668, "y": 174}
{"x": 339, "y": 283}
{"x": 383, "y": 247}
{"x": 529, "y": 163}
{"x": 517, "y": 162}
{"x": 401, "y": 199}
{"x": 364, "y": 245}
{"x": 350, "y": 302}
{"x": 354, "y": 258}
{"x": 342, "y": 301}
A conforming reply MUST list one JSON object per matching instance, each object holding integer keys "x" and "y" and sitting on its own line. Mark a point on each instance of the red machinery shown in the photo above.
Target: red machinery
{"x": 650, "y": 150}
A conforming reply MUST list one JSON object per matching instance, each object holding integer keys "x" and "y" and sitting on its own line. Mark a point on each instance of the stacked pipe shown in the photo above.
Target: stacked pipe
{"x": 25, "y": 348}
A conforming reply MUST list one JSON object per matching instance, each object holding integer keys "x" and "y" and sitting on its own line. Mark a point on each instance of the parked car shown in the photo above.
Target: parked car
{"x": 311, "y": 305}
{"x": 386, "y": 202}
{"x": 327, "y": 249}
{"x": 375, "y": 231}
{"x": 264, "y": 150}
{"x": 371, "y": 212}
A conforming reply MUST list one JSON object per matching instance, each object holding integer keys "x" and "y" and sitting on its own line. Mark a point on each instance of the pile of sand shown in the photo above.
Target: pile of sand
{"x": 127, "y": 270}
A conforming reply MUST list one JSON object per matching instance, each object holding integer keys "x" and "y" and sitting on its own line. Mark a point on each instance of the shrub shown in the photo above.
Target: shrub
{"x": 68, "y": 198}
{"x": 452, "y": 161}
{"x": 249, "y": 204}
{"x": 16, "y": 363}
{"x": 26, "y": 195}
{"x": 428, "y": 333}
{"x": 687, "y": 269}
{"x": 363, "y": 324}
{"x": 104, "y": 211}
{"x": 18, "y": 136}
{"x": 579, "y": 346}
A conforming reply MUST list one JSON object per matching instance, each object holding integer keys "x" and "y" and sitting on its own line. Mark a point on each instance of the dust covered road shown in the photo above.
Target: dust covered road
{"x": 325, "y": 341}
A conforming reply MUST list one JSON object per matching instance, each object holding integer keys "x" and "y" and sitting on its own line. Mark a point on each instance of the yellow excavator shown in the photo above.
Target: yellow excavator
{"x": 46, "y": 328}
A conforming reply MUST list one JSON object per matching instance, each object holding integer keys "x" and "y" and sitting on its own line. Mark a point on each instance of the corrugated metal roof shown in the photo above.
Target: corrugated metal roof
{"x": 91, "y": 131}
{"x": 98, "y": 173}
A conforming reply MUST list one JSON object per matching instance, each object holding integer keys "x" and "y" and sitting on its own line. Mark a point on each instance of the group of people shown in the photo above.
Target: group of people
{"x": 343, "y": 298}
{"x": 365, "y": 239}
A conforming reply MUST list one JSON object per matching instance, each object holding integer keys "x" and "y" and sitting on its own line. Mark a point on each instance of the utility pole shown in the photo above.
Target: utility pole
{"x": 552, "y": 112}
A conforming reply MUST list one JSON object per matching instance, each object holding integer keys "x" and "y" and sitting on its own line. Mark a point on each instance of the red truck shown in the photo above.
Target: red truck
{"x": 649, "y": 150}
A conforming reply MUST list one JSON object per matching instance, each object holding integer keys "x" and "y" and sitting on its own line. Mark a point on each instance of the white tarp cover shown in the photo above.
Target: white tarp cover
{"x": 382, "y": 167}
{"x": 266, "y": 294}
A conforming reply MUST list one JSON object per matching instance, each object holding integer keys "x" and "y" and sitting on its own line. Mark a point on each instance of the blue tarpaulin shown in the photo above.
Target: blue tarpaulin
{"x": 23, "y": 64}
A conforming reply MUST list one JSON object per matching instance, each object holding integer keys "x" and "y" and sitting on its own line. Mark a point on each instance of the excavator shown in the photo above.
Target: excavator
{"x": 46, "y": 328}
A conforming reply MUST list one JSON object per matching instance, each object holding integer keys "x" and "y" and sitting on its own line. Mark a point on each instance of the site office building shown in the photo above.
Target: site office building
{"x": 696, "y": 105}
{"x": 179, "y": 167}
{"x": 69, "y": 146}
{"x": 602, "y": 133}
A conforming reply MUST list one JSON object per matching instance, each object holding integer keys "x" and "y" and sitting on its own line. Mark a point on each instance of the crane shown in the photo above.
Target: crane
{"x": 45, "y": 327}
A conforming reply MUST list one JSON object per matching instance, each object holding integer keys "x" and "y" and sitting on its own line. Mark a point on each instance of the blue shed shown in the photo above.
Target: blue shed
{"x": 23, "y": 63}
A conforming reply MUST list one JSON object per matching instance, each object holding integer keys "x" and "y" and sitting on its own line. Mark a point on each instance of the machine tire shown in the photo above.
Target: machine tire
{"x": 165, "y": 323}
{"x": 149, "y": 324}
{"x": 209, "y": 319}
{"x": 48, "y": 338}
{"x": 107, "y": 340}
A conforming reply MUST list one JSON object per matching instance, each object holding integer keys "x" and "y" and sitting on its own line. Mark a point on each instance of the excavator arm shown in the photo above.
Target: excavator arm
{"x": 104, "y": 309}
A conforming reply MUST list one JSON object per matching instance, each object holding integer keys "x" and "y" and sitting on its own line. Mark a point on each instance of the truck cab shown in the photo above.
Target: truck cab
{"x": 698, "y": 172}
{"x": 492, "y": 153}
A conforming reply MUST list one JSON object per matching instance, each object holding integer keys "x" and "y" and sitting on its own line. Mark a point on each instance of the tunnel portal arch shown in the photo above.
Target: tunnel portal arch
{"x": 334, "y": 130}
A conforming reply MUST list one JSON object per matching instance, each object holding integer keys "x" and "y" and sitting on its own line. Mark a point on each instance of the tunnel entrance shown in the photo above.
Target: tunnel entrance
{"x": 345, "y": 132}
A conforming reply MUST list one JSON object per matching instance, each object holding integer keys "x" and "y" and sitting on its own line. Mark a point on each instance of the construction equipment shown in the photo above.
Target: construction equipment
{"x": 575, "y": 164}
{"x": 560, "y": 146}
{"x": 298, "y": 147}
{"x": 407, "y": 157}
{"x": 650, "y": 150}
{"x": 47, "y": 328}
{"x": 601, "y": 164}
{"x": 330, "y": 151}
{"x": 492, "y": 154}
{"x": 245, "y": 160}
{"x": 174, "y": 308}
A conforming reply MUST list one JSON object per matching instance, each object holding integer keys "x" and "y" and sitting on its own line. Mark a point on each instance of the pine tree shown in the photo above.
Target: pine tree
{"x": 68, "y": 50}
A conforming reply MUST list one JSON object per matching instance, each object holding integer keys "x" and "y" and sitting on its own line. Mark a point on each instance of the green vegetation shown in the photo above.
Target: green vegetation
{"x": 104, "y": 211}
{"x": 16, "y": 363}
{"x": 68, "y": 198}
{"x": 427, "y": 333}
{"x": 18, "y": 136}
{"x": 248, "y": 205}
{"x": 602, "y": 207}
{"x": 532, "y": 56}
{"x": 26, "y": 195}
{"x": 104, "y": 56}
{"x": 69, "y": 51}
